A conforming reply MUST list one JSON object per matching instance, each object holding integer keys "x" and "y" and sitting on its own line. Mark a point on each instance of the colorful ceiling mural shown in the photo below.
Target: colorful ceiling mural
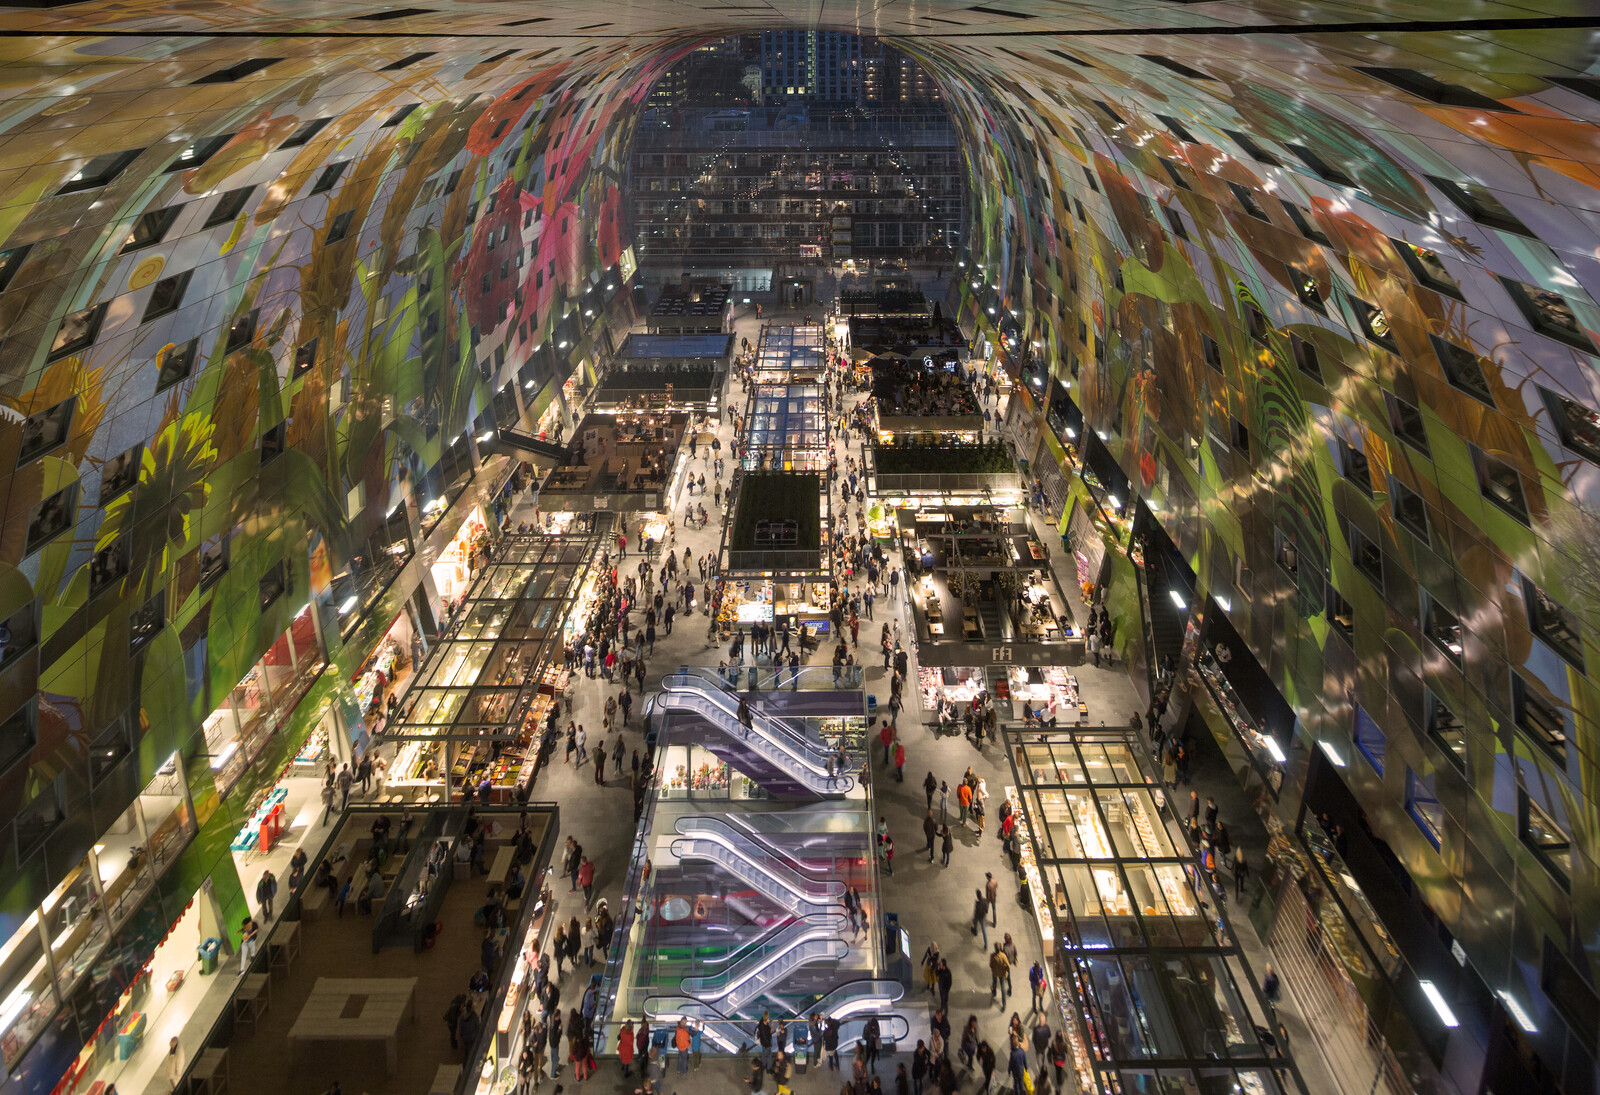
{"x": 1322, "y": 275}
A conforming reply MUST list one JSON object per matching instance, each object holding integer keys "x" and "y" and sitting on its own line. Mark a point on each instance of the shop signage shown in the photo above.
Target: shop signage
{"x": 1070, "y": 652}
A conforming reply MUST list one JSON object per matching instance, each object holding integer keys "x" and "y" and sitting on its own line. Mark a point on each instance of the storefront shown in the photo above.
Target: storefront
{"x": 695, "y": 772}
{"x": 462, "y": 556}
{"x": 238, "y": 730}
{"x": 1144, "y": 963}
{"x": 764, "y": 600}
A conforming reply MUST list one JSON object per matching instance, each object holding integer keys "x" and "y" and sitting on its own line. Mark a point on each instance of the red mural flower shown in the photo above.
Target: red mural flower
{"x": 609, "y": 232}
{"x": 487, "y": 132}
{"x": 488, "y": 273}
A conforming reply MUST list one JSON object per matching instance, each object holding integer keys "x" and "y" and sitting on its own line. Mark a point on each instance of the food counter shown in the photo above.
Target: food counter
{"x": 1051, "y": 692}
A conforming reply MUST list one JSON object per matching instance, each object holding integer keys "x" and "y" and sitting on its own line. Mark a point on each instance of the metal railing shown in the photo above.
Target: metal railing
{"x": 799, "y": 943}
{"x": 785, "y": 758}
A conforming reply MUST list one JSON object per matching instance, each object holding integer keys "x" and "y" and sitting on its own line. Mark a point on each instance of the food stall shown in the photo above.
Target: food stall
{"x": 1050, "y": 692}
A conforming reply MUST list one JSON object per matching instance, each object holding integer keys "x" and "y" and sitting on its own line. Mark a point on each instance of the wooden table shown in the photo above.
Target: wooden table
{"x": 356, "y": 1009}
{"x": 284, "y": 945}
{"x": 502, "y": 867}
{"x": 251, "y": 998}
{"x": 209, "y": 1076}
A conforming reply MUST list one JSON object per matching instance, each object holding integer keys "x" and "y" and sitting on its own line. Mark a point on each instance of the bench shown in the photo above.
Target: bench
{"x": 445, "y": 1079}
{"x": 312, "y": 901}
{"x": 502, "y": 867}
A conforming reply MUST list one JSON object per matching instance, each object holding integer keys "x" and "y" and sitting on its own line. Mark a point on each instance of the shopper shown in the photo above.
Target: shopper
{"x": 991, "y": 891}
{"x": 266, "y": 890}
{"x": 999, "y": 975}
{"x": 947, "y": 842}
{"x": 930, "y": 830}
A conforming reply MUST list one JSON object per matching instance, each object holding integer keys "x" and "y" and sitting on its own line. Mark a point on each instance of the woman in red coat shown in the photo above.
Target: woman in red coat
{"x": 625, "y": 1048}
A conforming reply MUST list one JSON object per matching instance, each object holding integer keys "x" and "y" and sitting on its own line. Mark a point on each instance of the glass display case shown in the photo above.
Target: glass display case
{"x": 27, "y": 991}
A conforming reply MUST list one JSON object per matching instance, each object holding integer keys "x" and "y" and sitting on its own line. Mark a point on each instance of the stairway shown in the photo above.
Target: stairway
{"x": 1167, "y": 620}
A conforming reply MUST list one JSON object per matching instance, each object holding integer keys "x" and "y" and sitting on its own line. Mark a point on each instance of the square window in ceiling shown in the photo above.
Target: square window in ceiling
{"x": 1501, "y": 484}
{"x": 305, "y": 357}
{"x": 339, "y": 227}
{"x": 1577, "y": 425}
{"x": 238, "y": 71}
{"x": 1433, "y": 90}
{"x": 242, "y": 331}
{"x": 167, "y": 296}
{"x": 1172, "y": 173}
{"x": 1410, "y": 511}
{"x": 1554, "y": 623}
{"x": 1548, "y": 313}
{"x": 1374, "y": 322}
{"x": 1239, "y": 436}
{"x": 306, "y": 131}
{"x": 1302, "y": 220}
{"x": 1212, "y": 351}
{"x": 1306, "y": 288}
{"x": 228, "y": 207}
{"x": 273, "y": 584}
{"x": 78, "y": 332}
{"x": 1252, "y": 148}
{"x": 329, "y": 177}
{"x": 1353, "y": 465}
{"x": 1305, "y": 358}
{"x": 1321, "y": 167}
{"x": 273, "y": 441}
{"x": 46, "y": 430}
{"x": 99, "y": 171}
{"x": 1175, "y": 222}
{"x": 198, "y": 152}
{"x": 1463, "y": 369}
{"x": 1248, "y": 202}
{"x": 1176, "y": 128}
{"x": 176, "y": 364}
{"x": 1428, "y": 268}
{"x": 400, "y": 115}
{"x": 1367, "y": 557}
{"x": 1422, "y": 803}
{"x": 151, "y": 228}
{"x": 146, "y": 622}
{"x": 1370, "y": 740}
{"x": 1341, "y": 614}
{"x": 10, "y": 262}
{"x": 1446, "y": 729}
{"x": 51, "y": 517}
{"x": 1442, "y": 628}
{"x": 110, "y": 564}
{"x": 120, "y": 473}
{"x": 1546, "y": 837}
{"x": 1540, "y": 718}
{"x": 1405, "y": 419}
{"x": 1480, "y": 203}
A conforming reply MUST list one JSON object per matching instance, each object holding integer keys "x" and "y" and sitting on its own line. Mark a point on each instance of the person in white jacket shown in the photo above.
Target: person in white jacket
{"x": 174, "y": 1064}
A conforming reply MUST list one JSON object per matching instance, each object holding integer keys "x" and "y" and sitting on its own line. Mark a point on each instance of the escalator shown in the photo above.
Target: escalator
{"x": 790, "y": 763}
{"x": 990, "y": 617}
{"x": 791, "y": 730}
{"x": 1166, "y": 618}
{"x": 769, "y": 961}
{"x": 767, "y": 870}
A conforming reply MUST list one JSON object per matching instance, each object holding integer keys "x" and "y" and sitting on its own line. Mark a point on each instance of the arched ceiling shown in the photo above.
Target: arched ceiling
{"x": 1245, "y": 235}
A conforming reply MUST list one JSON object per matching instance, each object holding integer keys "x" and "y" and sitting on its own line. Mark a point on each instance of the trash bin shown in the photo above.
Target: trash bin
{"x": 872, "y": 707}
{"x": 208, "y": 950}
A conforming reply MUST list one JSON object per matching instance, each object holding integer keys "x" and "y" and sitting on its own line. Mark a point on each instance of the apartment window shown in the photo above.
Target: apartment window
{"x": 329, "y": 178}
{"x": 242, "y": 332}
{"x": 1302, "y": 220}
{"x": 99, "y": 171}
{"x": 339, "y": 228}
{"x": 1548, "y": 313}
{"x": 1426, "y": 87}
{"x": 1545, "y": 837}
{"x": 1175, "y": 222}
{"x": 1088, "y": 177}
{"x": 1577, "y": 425}
{"x": 109, "y": 565}
{"x": 406, "y": 62}
{"x": 1410, "y": 511}
{"x": 1370, "y": 739}
{"x": 1172, "y": 173}
{"x": 198, "y": 152}
{"x": 1340, "y": 613}
{"x": 1176, "y": 66}
{"x": 151, "y": 228}
{"x": 1406, "y": 422}
{"x": 1321, "y": 167}
{"x": 1479, "y": 203}
{"x": 306, "y": 131}
{"x": 229, "y": 206}
{"x": 273, "y": 584}
{"x": 1374, "y": 322}
{"x": 1446, "y": 729}
{"x": 19, "y": 734}
{"x": 1078, "y": 208}
{"x": 167, "y": 296}
{"x": 1540, "y": 718}
{"x": 146, "y": 622}
{"x": 238, "y": 71}
{"x": 273, "y": 440}
{"x": 1239, "y": 436}
{"x": 45, "y": 430}
{"x": 1422, "y": 803}
{"x": 1554, "y": 624}
{"x": 78, "y": 332}
{"x": 400, "y": 115}
{"x": 1463, "y": 369}
{"x": 38, "y": 819}
{"x": 1305, "y": 358}
{"x": 1257, "y": 323}
{"x": 214, "y": 559}
{"x": 1112, "y": 114}
{"x": 1355, "y": 467}
{"x": 1441, "y": 627}
{"x": 305, "y": 357}
{"x": 1288, "y": 555}
{"x": 1501, "y": 484}
{"x": 176, "y": 365}
{"x": 10, "y": 262}
{"x": 1252, "y": 148}
{"x": 1176, "y": 128}
{"x": 1209, "y": 348}
{"x": 107, "y": 749}
{"x": 1367, "y": 557}
{"x": 1248, "y": 201}
{"x": 1428, "y": 268}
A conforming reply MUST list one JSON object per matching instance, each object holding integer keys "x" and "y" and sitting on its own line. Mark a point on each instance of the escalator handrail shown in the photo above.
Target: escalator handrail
{"x": 809, "y": 772}
{"x": 796, "y": 902}
{"x": 686, "y": 682}
{"x": 719, "y": 831}
{"x": 776, "y": 946}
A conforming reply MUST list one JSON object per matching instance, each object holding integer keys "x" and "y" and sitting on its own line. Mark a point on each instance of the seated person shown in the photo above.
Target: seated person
{"x": 515, "y": 883}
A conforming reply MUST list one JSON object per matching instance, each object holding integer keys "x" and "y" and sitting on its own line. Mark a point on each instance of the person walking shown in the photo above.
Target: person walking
{"x": 930, "y": 829}
{"x": 174, "y": 1063}
{"x": 980, "y": 915}
{"x": 249, "y": 942}
{"x": 1018, "y": 1066}
{"x": 344, "y": 780}
{"x": 929, "y": 786}
{"x": 946, "y": 842}
{"x": 964, "y": 799}
{"x": 1241, "y": 871}
{"x": 1038, "y": 983}
{"x": 946, "y": 979}
{"x": 986, "y": 1062}
{"x": 625, "y": 1048}
{"x": 991, "y": 891}
{"x": 999, "y": 975}
{"x": 266, "y": 890}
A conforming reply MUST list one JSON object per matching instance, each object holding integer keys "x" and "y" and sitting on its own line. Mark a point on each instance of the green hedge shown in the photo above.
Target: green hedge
{"x": 938, "y": 459}
{"x": 778, "y": 496}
